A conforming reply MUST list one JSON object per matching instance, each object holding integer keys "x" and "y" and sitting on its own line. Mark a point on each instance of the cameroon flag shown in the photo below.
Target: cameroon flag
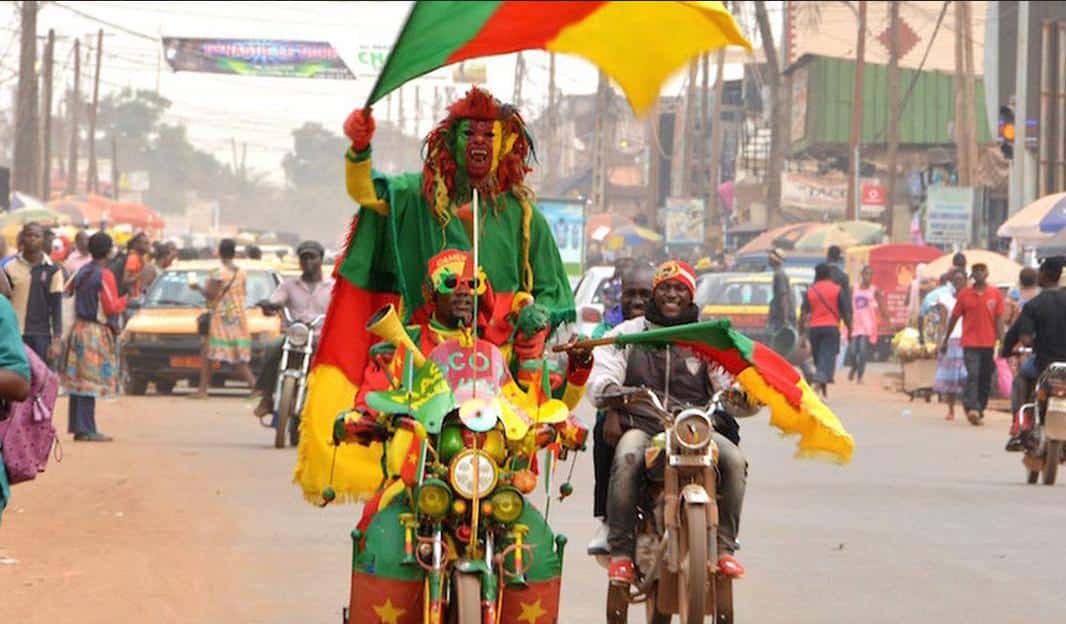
{"x": 768, "y": 377}
{"x": 638, "y": 44}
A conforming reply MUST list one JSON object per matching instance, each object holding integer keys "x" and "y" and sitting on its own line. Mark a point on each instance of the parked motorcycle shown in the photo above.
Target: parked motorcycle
{"x": 677, "y": 523}
{"x": 1043, "y": 426}
{"x": 452, "y": 537}
{"x": 291, "y": 389}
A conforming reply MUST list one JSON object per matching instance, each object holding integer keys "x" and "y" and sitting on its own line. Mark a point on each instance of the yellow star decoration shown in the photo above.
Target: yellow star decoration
{"x": 531, "y": 612}
{"x": 388, "y": 613}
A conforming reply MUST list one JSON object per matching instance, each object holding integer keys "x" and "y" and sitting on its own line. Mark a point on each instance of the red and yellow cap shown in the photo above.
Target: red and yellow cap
{"x": 451, "y": 268}
{"x": 678, "y": 270}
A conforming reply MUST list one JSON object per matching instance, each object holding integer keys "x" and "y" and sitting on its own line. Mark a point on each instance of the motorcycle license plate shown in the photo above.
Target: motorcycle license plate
{"x": 1056, "y": 404}
{"x": 186, "y": 361}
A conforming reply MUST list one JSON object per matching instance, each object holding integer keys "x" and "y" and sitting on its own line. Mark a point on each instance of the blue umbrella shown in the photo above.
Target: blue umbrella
{"x": 1055, "y": 219}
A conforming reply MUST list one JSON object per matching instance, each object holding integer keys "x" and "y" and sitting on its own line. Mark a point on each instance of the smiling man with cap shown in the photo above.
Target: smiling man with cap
{"x": 306, "y": 298}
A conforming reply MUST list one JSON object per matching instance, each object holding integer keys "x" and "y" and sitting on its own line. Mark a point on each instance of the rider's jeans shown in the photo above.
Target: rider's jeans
{"x": 268, "y": 378}
{"x": 627, "y": 486}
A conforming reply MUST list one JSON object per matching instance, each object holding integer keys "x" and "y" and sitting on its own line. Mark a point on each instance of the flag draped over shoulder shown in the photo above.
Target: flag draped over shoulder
{"x": 794, "y": 407}
{"x": 660, "y": 38}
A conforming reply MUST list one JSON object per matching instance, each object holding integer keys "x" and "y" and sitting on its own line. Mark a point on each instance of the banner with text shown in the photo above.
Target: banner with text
{"x": 261, "y": 57}
{"x": 566, "y": 218}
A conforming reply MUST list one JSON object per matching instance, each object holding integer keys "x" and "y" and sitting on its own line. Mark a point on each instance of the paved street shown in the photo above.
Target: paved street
{"x": 190, "y": 517}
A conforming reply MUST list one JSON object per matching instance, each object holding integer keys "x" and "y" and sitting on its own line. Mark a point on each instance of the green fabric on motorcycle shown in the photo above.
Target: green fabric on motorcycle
{"x": 546, "y": 563}
{"x": 429, "y": 403}
{"x": 383, "y": 545}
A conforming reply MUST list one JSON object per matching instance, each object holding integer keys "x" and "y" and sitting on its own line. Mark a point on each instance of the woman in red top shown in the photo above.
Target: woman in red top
{"x": 824, "y": 308}
{"x": 89, "y": 366}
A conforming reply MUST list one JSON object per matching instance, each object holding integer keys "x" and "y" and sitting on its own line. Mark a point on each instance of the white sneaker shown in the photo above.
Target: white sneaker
{"x": 598, "y": 545}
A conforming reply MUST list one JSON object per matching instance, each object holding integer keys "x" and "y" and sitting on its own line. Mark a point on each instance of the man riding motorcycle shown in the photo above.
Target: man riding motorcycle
{"x": 1042, "y": 318}
{"x": 677, "y": 373}
{"x": 635, "y": 295}
{"x": 306, "y": 298}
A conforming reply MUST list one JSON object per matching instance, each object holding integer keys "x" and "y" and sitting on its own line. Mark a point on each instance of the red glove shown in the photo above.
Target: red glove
{"x": 530, "y": 347}
{"x": 359, "y": 127}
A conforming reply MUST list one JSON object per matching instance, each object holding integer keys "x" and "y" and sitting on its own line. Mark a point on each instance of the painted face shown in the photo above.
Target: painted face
{"x": 475, "y": 143}
{"x": 456, "y": 309}
{"x": 672, "y": 298}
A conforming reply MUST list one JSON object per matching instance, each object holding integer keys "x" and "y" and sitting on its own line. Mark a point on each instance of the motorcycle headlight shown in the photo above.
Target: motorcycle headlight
{"x": 692, "y": 429}
{"x": 298, "y": 334}
{"x": 434, "y": 498}
{"x": 507, "y": 505}
{"x": 464, "y": 467}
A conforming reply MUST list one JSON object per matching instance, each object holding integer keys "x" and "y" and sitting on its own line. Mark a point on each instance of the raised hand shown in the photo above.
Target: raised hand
{"x": 359, "y": 128}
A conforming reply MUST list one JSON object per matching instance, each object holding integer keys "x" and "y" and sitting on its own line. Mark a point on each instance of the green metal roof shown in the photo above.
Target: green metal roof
{"x": 926, "y": 113}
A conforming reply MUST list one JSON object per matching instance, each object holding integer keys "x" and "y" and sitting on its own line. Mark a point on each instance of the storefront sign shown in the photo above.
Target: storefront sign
{"x": 949, "y": 215}
{"x": 265, "y": 57}
{"x": 566, "y": 218}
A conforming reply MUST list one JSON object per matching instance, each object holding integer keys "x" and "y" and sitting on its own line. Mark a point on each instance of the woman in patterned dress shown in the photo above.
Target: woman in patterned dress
{"x": 229, "y": 340}
{"x": 89, "y": 365}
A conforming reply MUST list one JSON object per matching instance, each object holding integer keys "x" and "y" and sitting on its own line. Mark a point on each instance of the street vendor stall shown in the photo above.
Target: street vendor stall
{"x": 894, "y": 266}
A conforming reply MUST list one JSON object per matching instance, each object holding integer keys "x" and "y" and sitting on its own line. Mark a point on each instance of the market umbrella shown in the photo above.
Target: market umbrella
{"x": 22, "y": 201}
{"x": 844, "y": 234}
{"x": 635, "y": 234}
{"x": 768, "y": 239}
{"x": 1037, "y": 221}
{"x": 42, "y": 215}
{"x": 637, "y": 44}
{"x": 600, "y": 225}
{"x": 1001, "y": 269}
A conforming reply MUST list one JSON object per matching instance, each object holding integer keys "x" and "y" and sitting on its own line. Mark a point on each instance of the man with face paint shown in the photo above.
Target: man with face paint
{"x": 481, "y": 146}
{"x": 635, "y": 296}
{"x": 403, "y": 221}
{"x": 691, "y": 382}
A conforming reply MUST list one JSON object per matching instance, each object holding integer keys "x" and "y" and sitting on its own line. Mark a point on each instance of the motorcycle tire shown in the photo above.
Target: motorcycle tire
{"x": 466, "y": 599}
{"x": 286, "y": 404}
{"x": 652, "y": 613}
{"x": 617, "y": 603}
{"x": 1051, "y": 461}
{"x": 294, "y": 430}
{"x": 692, "y": 573}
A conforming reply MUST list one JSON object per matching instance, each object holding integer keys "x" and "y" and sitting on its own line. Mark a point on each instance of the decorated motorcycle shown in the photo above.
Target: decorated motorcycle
{"x": 452, "y": 536}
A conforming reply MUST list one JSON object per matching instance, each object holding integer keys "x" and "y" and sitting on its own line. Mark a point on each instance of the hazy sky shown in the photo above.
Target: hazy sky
{"x": 259, "y": 111}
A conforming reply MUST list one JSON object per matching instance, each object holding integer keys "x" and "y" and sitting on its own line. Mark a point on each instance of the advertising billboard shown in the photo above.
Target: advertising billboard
{"x": 566, "y": 218}
{"x": 258, "y": 57}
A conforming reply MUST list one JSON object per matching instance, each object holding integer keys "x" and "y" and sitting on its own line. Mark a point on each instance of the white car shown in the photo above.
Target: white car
{"x": 589, "y": 300}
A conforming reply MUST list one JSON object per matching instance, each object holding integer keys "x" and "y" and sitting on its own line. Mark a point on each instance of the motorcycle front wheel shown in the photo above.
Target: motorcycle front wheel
{"x": 286, "y": 405}
{"x": 465, "y": 599}
{"x": 692, "y": 574}
{"x": 1051, "y": 461}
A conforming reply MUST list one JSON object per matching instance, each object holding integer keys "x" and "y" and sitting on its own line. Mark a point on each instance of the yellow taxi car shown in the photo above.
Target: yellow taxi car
{"x": 160, "y": 344}
{"x": 744, "y": 298}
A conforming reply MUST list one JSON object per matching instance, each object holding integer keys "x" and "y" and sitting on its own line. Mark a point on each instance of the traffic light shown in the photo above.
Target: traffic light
{"x": 1006, "y": 131}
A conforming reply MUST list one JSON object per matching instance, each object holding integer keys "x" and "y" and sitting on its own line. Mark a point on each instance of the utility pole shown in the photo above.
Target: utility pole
{"x": 46, "y": 112}
{"x": 599, "y": 156}
{"x": 400, "y": 120}
{"x": 418, "y": 111}
{"x": 114, "y": 168}
{"x": 1021, "y": 112}
{"x": 74, "y": 107}
{"x": 519, "y": 78}
{"x": 92, "y": 179}
{"x": 779, "y": 126}
{"x": 853, "y": 197}
{"x": 893, "y": 119}
{"x": 552, "y": 155}
{"x": 969, "y": 101}
{"x": 687, "y": 142}
{"x": 26, "y": 176}
{"x": 713, "y": 210}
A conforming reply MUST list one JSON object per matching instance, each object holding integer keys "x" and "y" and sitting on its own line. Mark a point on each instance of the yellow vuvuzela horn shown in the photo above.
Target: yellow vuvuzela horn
{"x": 385, "y": 324}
